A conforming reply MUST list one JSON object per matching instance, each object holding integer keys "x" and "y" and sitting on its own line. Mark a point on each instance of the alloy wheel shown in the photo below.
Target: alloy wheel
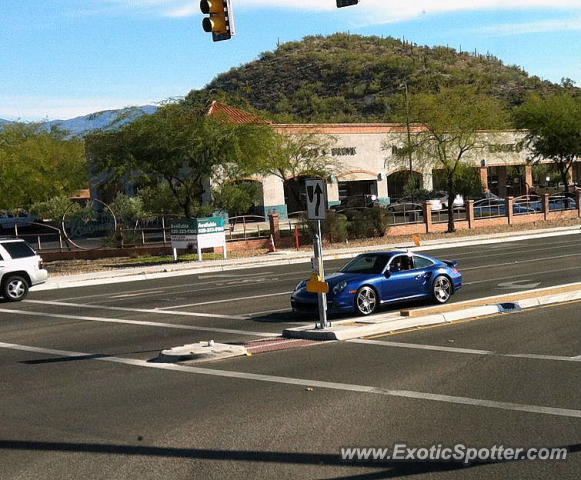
{"x": 366, "y": 300}
{"x": 442, "y": 289}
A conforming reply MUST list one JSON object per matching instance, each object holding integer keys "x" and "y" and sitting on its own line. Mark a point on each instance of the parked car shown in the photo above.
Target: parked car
{"x": 491, "y": 206}
{"x": 20, "y": 269}
{"x": 561, "y": 202}
{"x": 357, "y": 201}
{"x": 372, "y": 279}
{"x": 442, "y": 197}
{"x": 411, "y": 211}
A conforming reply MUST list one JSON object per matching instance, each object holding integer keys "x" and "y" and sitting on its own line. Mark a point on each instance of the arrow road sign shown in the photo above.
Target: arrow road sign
{"x": 316, "y": 199}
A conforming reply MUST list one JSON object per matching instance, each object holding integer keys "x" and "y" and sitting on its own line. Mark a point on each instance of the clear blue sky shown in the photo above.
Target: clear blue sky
{"x": 64, "y": 58}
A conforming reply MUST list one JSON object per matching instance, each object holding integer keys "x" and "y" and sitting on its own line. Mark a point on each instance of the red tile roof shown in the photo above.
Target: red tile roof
{"x": 234, "y": 115}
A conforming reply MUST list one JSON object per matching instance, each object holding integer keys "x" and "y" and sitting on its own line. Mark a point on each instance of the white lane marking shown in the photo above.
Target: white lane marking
{"x": 469, "y": 351}
{"x": 519, "y": 284}
{"x": 232, "y": 275}
{"x": 215, "y": 287}
{"x": 137, "y": 310}
{"x": 518, "y": 262}
{"x": 523, "y": 275}
{"x": 252, "y": 314}
{"x": 138, "y": 322}
{"x": 172, "y": 289}
{"x": 509, "y": 250}
{"x": 475, "y": 402}
{"x": 416, "y": 346}
{"x": 127, "y": 295}
{"x": 227, "y": 300}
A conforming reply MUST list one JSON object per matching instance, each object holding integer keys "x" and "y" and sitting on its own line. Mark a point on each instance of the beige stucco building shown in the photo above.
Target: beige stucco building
{"x": 367, "y": 162}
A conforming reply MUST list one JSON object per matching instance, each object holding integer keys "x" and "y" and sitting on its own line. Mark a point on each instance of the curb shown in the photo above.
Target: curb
{"x": 169, "y": 270}
{"x": 351, "y": 328}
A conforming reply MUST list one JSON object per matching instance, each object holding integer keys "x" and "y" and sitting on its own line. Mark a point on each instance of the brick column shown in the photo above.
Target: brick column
{"x": 528, "y": 178}
{"x": 274, "y": 220}
{"x": 546, "y": 205}
{"x": 578, "y": 198}
{"x": 484, "y": 178}
{"x": 501, "y": 181}
{"x": 428, "y": 216}
{"x": 470, "y": 214}
{"x": 510, "y": 209}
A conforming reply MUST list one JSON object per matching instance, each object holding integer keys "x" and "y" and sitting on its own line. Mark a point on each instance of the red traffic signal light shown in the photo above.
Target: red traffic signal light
{"x": 220, "y": 22}
{"x": 346, "y": 3}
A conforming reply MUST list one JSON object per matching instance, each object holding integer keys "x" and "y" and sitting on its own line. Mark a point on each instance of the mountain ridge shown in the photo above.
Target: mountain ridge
{"x": 102, "y": 120}
{"x": 354, "y": 78}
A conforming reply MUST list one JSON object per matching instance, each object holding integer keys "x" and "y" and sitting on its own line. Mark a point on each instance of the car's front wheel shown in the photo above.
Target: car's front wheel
{"x": 14, "y": 288}
{"x": 442, "y": 289}
{"x": 366, "y": 300}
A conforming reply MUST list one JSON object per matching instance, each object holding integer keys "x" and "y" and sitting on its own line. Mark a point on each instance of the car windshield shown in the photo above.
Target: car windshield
{"x": 370, "y": 263}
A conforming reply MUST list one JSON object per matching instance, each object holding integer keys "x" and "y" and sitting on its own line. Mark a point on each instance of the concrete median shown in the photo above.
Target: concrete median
{"x": 421, "y": 317}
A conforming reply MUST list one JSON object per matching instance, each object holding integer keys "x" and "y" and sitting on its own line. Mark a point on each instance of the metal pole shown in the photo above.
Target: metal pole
{"x": 163, "y": 229}
{"x": 322, "y": 297}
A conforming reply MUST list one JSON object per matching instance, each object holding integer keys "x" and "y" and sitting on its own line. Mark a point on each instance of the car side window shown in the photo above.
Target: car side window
{"x": 401, "y": 263}
{"x": 422, "y": 262}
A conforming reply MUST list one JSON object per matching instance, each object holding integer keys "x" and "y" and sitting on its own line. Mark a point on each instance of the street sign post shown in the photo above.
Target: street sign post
{"x": 316, "y": 199}
{"x": 317, "y": 210}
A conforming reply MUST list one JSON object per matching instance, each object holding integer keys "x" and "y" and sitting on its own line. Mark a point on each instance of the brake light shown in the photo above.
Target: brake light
{"x": 455, "y": 271}
{"x": 40, "y": 264}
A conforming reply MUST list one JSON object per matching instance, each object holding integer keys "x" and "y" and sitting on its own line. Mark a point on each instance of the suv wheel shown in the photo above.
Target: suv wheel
{"x": 14, "y": 288}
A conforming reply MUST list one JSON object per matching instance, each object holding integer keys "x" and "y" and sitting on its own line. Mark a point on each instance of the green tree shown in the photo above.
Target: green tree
{"x": 300, "y": 155}
{"x": 130, "y": 210}
{"x": 237, "y": 198}
{"x": 55, "y": 208}
{"x": 160, "y": 200}
{"x": 181, "y": 148}
{"x": 451, "y": 122}
{"x": 37, "y": 165}
{"x": 554, "y": 130}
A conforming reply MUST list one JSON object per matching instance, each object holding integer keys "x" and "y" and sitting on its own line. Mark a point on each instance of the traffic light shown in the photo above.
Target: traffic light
{"x": 220, "y": 22}
{"x": 346, "y": 3}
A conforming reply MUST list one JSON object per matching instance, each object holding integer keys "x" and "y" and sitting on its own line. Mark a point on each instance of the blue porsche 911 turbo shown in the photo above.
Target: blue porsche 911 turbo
{"x": 373, "y": 279}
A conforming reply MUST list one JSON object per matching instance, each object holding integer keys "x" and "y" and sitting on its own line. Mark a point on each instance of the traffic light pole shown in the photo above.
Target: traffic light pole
{"x": 322, "y": 297}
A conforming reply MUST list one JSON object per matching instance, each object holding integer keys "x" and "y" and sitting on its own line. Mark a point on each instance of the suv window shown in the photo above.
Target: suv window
{"x": 19, "y": 249}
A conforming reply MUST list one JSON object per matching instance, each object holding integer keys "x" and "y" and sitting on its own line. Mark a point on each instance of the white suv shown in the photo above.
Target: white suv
{"x": 20, "y": 269}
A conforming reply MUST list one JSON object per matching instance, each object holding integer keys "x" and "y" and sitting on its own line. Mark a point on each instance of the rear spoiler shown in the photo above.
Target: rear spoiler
{"x": 451, "y": 263}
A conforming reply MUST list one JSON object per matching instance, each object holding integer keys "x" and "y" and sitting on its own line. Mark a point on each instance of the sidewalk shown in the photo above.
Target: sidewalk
{"x": 286, "y": 257}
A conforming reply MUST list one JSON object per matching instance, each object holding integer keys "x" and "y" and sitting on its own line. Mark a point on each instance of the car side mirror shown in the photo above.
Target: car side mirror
{"x": 387, "y": 274}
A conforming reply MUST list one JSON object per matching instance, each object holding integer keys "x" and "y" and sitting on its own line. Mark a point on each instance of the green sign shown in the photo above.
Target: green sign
{"x": 197, "y": 226}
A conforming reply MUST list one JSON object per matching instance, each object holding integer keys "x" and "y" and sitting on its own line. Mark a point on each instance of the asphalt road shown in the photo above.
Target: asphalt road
{"x": 112, "y": 413}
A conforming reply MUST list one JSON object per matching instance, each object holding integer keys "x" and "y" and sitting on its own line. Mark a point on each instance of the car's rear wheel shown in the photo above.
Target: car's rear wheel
{"x": 366, "y": 300}
{"x": 442, "y": 289}
{"x": 14, "y": 288}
